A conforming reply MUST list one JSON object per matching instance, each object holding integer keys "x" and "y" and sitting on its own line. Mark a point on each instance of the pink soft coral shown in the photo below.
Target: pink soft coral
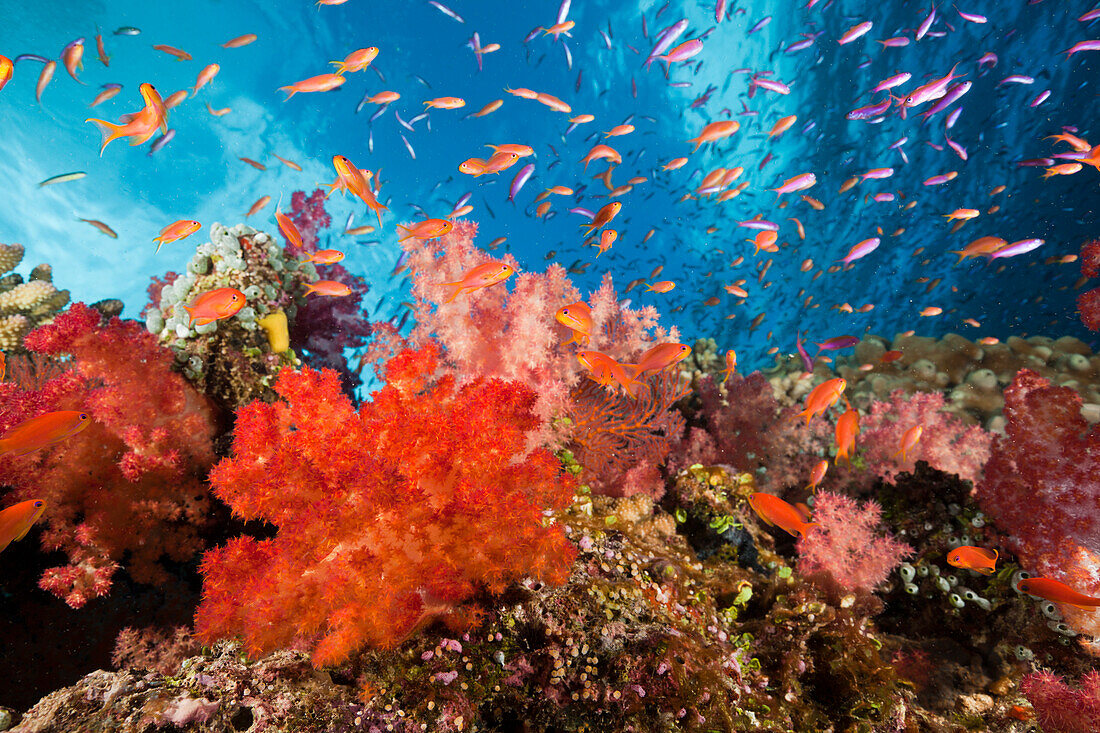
{"x": 845, "y": 553}
{"x": 131, "y": 484}
{"x": 946, "y": 443}
{"x": 387, "y": 517}
{"x": 1060, "y": 708}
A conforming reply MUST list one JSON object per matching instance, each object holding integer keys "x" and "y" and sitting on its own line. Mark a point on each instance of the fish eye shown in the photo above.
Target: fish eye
{"x": 38, "y": 504}
{"x": 565, "y": 311}
{"x": 83, "y": 416}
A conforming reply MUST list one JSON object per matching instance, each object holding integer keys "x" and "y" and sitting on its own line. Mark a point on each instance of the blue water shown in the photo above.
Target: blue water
{"x": 423, "y": 55}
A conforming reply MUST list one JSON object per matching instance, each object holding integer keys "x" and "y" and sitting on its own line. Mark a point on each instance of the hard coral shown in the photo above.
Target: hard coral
{"x": 387, "y": 517}
{"x": 25, "y": 305}
{"x": 132, "y": 482}
{"x": 1042, "y": 487}
{"x": 845, "y": 553}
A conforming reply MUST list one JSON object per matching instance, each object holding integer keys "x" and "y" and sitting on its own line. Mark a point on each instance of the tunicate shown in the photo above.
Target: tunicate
{"x": 182, "y": 331}
{"x": 154, "y": 321}
{"x": 199, "y": 265}
{"x": 969, "y": 594}
{"x": 253, "y": 292}
{"x": 907, "y": 572}
{"x": 1061, "y": 628}
{"x": 923, "y": 571}
{"x": 942, "y": 584}
{"x": 1050, "y": 610}
{"x": 955, "y": 600}
{"x": 1017, "y": 577}
{"x": 934, "y": 569}
{"x": 194, "y": 364}
{"x": 952, "y": 580}
{"x": 1022, "y": 652}
{"x": 206, "y": 328}
{"x": 247, "y": 313}
{"x": 911, "y": 589}
{"x": 983, "y": 604}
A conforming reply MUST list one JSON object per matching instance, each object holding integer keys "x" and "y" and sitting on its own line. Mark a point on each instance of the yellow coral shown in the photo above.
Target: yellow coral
{"x": 10, "y": 256}
{"x": 27, "y": 296}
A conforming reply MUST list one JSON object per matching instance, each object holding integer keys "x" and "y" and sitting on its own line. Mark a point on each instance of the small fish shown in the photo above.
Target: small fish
{"x": 862, "y": 249}
{"x": 17, "y": 519}
{"x": 838, "y": 342}
{"x": 978, "y": 559}
{"x": 427, "y": 229}
{"x": 775, "y": 511}
{"x": 102, "y": 227}
{"x": 240, "y": 41}
{"x": 103, "y": 57}
{"x": 7, "y": 68}
{"x": 215, "y": 305}
{"x": 176, "y": 231}
{"x": 822, "y": 397}
{"x": 109, "y": 91}
{"x": 72, "y": 56}
{"x": 855, "y": 32}
{"x": 658, "y": 358}
{"x": 161, "y": 141}
{"x": 44, "y": 430}
{"x": 254, "y": 164}
{"x": 731, "y": 365}
{"x": 205, "y": 76}
{"x": 481, "y": 276}
{"x": 817, "y": 474}
{"x": 319, "y": 83}
{"x": 847, "y": 428}
{"x": 260, "y": 204}
{"x": 1053, "y": 590}
{"x": 578, "y": 318}
{"x": 908, "y": 441}
{"x": 661, "y": 286}
{"x": 325, "y": 257}
{"x": 221, "y": 112}
{"x": 63, "y": 178}
{"x": 289, "y": 163}
{"x": 328, "y": 287}
{"x": 128, "y": 30}
{"x": 172, "y": 51}
{"x": 44, "y": 79}
{"x": 445, "y": 103}
{"x": 446, "y": 11}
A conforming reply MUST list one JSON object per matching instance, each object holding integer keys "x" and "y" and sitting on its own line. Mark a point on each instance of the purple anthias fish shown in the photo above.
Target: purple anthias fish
{"x": 665, "y": 40}
{"x": 583, "y": 212}
{"x": 838, "y": 342}
{"x": 1018, "y": 248}
{"x": 871, "y": 110}
{"x": 952, "y": 96}
{"x": 161, "y": 141}
{"x": 520, "y": 179}
{"x": 807, "y": 362}
{"x": 864, "y": 248}
{"x": 759, "y": 225}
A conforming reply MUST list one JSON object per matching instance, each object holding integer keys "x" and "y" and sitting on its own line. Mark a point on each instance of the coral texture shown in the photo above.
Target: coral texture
{"x": 132, "y": 482}
{"x": 231, "y": 360}
{"x": 1042, "y": 487}
{"x": 324, "y": 326}
{"x": 845, "y": 553}
{"x": 388, "y": 517}
{"x": 621, "y": 440}
{"x": 1060, "y": 708}
{"x": 946, "y": 443}
{"x": 509, "y": 330}
{"x": 24, "y": 305}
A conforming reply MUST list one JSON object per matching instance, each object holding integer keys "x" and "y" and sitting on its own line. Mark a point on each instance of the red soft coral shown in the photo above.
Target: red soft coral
{"x": 1060, "y": 708}
{"x": 387, "y": 517}
{"x": 1042, "y": 487}
{"x": 132, "y": 482}
{"x": 845, "y": 553}
{"x": 946, "y": 443}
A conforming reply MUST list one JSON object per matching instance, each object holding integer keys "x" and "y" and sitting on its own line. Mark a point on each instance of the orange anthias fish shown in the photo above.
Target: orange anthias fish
{"x": 39, "y": 432}
{"x": 140, "y": 126}
{"x": 328, "y": 287}
{"x": 822, "y": 397}
{"x": 1052, "y": 590}
{"x": 325, "y": 257}
{"x": 218, "y": 112}
{"x": 445, "y": 103}
{"x": 215, "y": 305}
{"x": 17, "y": 520}
{"x": 847, "y": 428}
{"x": 578, "y": 318}
{"x": 604, "y": 369}
{"x": 603, "y": 216}
{"x": 355, "y": 181}
{"x": 319, "y": 83}
{"x": 775, "y": 511}
{"x": 731, "y": 365}
{"x": 659, "y": 357}
{"x": 910, "y": 439}
{"x": 607, "y": 238}
{"x": 978, "y": 559}
{"x": 427, "y": 229}
{"x": 208, "y": 73}
{"x": 181, "y": 55}
{"x": 73, "y": 56}
{"x": 6, "y": 70}
{"x": 240, "y": 41}
{"x": 176, "y": 231}
{"x": 817, "y": 474}
{"x": 356, "y": 60}
{"x": 601, "y": 152}
{"x": 289, "y": 230}
{"x": 715, "y": 131}
{"x": 481, "y": 276}
{"x": 661, "y": 286}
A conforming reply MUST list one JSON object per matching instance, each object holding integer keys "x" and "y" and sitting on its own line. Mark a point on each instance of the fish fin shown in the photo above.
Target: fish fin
{"x": 109, "y": 130}
{"x": 454, "y": 293}
{"x": 292, "y": 91}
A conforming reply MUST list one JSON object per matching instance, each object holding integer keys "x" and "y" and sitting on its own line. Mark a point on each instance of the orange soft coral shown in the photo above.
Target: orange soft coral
{"x": 388, "y": 517}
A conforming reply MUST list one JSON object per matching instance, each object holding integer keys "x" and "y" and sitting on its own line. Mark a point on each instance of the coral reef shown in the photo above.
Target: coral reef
{"x": 1060, "y": 708}
{"x": 131, "y": 485}
{"x": 25, "y": 305}
{"x": 230, "y": 360}
{"x": 324, "y": 328}
{"x": 387, "y": 518}
{"x": 1042, "y": 487}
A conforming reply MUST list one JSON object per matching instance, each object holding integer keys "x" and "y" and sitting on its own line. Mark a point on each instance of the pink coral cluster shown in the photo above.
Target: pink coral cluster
{"x": 1060, "y": 708}
{"x": 946, "y": 443}
{"x": 131, "y": 485}
{"x": 845, "y": 553}
{"x": 1088, "y": 302}
{"x": 388, "y": 517}
{"x": 324, "y": 327}
{"x": 1042, "y": 487}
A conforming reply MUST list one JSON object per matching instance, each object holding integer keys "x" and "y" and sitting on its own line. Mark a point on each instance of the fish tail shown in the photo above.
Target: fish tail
{"x": 341, "y": 67}
{"x": 457, "y": 288}
{"x": 406, "y": 233}
{"x": 292, "y": 91}
{"x": 109, "y": 130}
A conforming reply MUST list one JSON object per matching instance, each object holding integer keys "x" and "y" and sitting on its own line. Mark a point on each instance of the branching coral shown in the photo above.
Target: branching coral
{"x": 387, "y": 517}
{"x": 621, "y": 440}
{"x": 1060, "y": 708}
{"x": 131, "y": 484}
{"x": 845, "y": 553}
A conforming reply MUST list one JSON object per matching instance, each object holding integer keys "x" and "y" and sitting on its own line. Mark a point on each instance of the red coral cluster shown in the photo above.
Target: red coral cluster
{"x": 1088, "y": 302}
{"x": 324, "y": 326}
{"x": 388, "y": 517}
{"x": 1060, "y": 708}
{"x": 130, "y": 486}
{"x": 845, "y": 553}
